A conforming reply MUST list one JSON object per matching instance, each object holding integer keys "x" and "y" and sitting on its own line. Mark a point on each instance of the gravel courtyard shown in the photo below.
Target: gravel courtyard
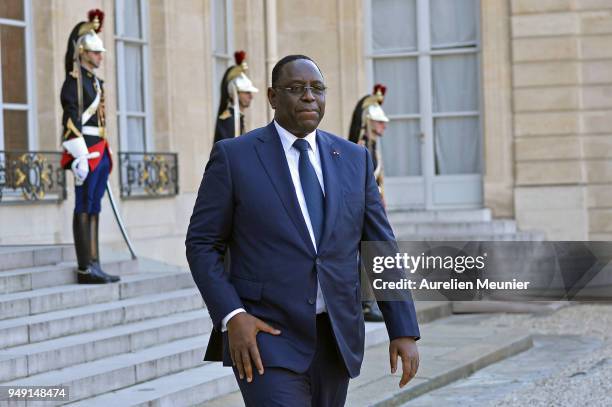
{"x": 588, "y": 381}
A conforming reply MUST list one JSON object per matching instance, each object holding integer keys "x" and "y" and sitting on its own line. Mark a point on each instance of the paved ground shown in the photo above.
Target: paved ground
{"x": 569, "y": 365}
{"x": 452, "y": 348}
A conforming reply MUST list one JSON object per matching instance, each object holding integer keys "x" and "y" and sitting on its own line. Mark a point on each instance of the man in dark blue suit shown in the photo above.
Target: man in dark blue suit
{"x": 292, "y": 203}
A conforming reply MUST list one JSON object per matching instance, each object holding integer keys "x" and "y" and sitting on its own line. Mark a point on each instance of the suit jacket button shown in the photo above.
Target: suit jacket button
{"x": 318, "y": 261}
{"x": 311, "y": 301}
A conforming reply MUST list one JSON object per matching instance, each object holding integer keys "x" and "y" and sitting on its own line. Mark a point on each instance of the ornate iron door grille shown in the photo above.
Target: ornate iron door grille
{"x": 148, "y": 175}
{"x": 31, "y": 176}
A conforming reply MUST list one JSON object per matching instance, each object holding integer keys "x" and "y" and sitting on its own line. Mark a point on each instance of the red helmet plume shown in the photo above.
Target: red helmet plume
{"x": 92, "y": 15}
{"x": 380, "y": 90}
{"x": 239, "y": 57}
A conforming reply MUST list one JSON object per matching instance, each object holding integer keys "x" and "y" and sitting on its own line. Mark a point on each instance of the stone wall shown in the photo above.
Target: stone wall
{"x": 181, "y": 89}
{"x": 562, "y": 101}
{"x": 547, "y": 106}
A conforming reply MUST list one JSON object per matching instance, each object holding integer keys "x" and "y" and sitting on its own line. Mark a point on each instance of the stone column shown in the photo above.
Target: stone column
{"x": 496, "y": 79}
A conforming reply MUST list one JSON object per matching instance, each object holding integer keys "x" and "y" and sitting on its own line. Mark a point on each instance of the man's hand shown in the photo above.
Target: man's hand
{"x": 405, "y": 348}
{"x": 242, "y": 330}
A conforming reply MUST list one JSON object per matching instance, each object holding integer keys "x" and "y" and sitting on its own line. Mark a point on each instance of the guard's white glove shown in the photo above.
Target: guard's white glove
{"x": 80, "y": 169}
{"x": 80, "y": 165}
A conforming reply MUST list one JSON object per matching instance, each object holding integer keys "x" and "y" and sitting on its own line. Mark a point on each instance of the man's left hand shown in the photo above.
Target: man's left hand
{"x": 406, "y": 349}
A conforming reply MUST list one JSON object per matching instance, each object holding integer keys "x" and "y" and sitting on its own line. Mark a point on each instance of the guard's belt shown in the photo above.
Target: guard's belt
{"x": 93, "y": 131}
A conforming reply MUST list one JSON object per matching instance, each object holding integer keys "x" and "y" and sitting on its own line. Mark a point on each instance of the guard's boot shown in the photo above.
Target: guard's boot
{"x": 80, "y": 230}
{"x": 371, "y": 312}
{"x": 95, "y": 248}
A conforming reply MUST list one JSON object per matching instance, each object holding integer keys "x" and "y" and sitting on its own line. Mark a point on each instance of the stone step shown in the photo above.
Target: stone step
{"x": 494, "y": 227}
{"x": 61, "y": 297}
{"x": 31, "y": 359}
{"x": 15, "y": 257}
{"x": 458, "y": 215}
{"x": 25, "y": 256}
{"x": 201, "y": 384}
{"x": 127, "y": 369}
{"x": 32, "y": 278}
{"x": 50, "y": 325}
{"x": 185, "y": 388}
{"x": 514, "y": 237}
{"x": 197, "y": 385}
{"x": 450, "y": 348}
{"x": 539, "y": 308}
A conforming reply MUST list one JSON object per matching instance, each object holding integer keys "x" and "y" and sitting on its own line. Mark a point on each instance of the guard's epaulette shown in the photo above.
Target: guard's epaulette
{"x": 225, "y": 115}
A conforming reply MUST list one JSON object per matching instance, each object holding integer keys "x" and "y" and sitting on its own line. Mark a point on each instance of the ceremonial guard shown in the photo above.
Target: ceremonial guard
{"x": 368, "y": 123}
{"x": 236, "y": 95}
{"x": 86, "y": 150}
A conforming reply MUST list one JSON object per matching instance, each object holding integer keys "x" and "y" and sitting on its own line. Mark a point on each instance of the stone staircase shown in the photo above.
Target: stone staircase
{"x": 137, "y": 342}
{"x": 95, "y": 338}
{"x": 459, "y": 225}
{"x": 140, "y": 342}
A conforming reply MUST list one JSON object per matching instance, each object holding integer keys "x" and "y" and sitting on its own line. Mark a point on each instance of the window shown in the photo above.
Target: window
{"x": 132, "y": 47}
{"x": 222, "y": 44}
{"x": 427, "y": 53}
{"x": 17, "y": 129}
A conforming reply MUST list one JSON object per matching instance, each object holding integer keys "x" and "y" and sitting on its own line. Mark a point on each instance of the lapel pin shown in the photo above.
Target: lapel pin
{"x": 336, "y": 153}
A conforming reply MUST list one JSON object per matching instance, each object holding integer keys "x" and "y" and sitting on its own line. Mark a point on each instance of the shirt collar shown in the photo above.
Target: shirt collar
{"x": 287, "y": 139}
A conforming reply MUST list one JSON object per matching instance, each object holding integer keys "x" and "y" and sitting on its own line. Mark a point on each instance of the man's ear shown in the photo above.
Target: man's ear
{"x": 272, "y": 97}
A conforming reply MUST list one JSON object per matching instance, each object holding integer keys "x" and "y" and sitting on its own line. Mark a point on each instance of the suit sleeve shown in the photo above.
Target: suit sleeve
{"x": 71, "y": 120}
{"x": 207, "y": 236}
{"x": 400, "y": 316}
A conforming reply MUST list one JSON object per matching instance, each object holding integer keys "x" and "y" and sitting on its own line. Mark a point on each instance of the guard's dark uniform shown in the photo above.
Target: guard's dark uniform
{"x": 234, "y": 81}
{"x": 86, "y": 150}
{"x": 89, "y": 194}
{"x": 369, "y": 109}
{"x": 225, "y": 125}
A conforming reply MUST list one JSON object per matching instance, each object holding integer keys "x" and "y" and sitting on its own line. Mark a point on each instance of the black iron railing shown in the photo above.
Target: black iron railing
{"x": 148, "y": 175}
{"x": 31, "y": 176}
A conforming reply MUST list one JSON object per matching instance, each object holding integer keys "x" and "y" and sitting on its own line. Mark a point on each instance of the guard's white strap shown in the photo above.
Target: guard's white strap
{"x": 91, "y": 130}
{"x": 236, "y": 112}
{"x": 91, "y": 110}
{"x": 89, "y": 156}
{"x": 379, "y": 164}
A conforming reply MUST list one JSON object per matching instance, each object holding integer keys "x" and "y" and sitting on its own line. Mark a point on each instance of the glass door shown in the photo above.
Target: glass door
{"x": 427, "y": 54}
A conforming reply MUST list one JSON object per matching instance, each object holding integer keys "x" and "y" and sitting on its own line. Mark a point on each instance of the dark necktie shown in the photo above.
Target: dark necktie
{"x": 315, "y": 202}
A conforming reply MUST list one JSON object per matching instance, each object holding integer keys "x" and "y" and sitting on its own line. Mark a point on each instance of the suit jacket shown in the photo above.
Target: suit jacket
{"x": 247, "y": 201}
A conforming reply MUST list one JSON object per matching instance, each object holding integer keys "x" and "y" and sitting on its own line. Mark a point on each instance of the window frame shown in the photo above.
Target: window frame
{"x": 122, "y": 113}
{"x": 424, "y": 54}
{"x": 217, "y": 56}
{"x": 30, "y": 105}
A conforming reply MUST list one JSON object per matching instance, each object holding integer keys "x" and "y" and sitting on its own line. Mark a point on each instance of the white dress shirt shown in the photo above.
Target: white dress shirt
{"x": 293, "y": 158}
